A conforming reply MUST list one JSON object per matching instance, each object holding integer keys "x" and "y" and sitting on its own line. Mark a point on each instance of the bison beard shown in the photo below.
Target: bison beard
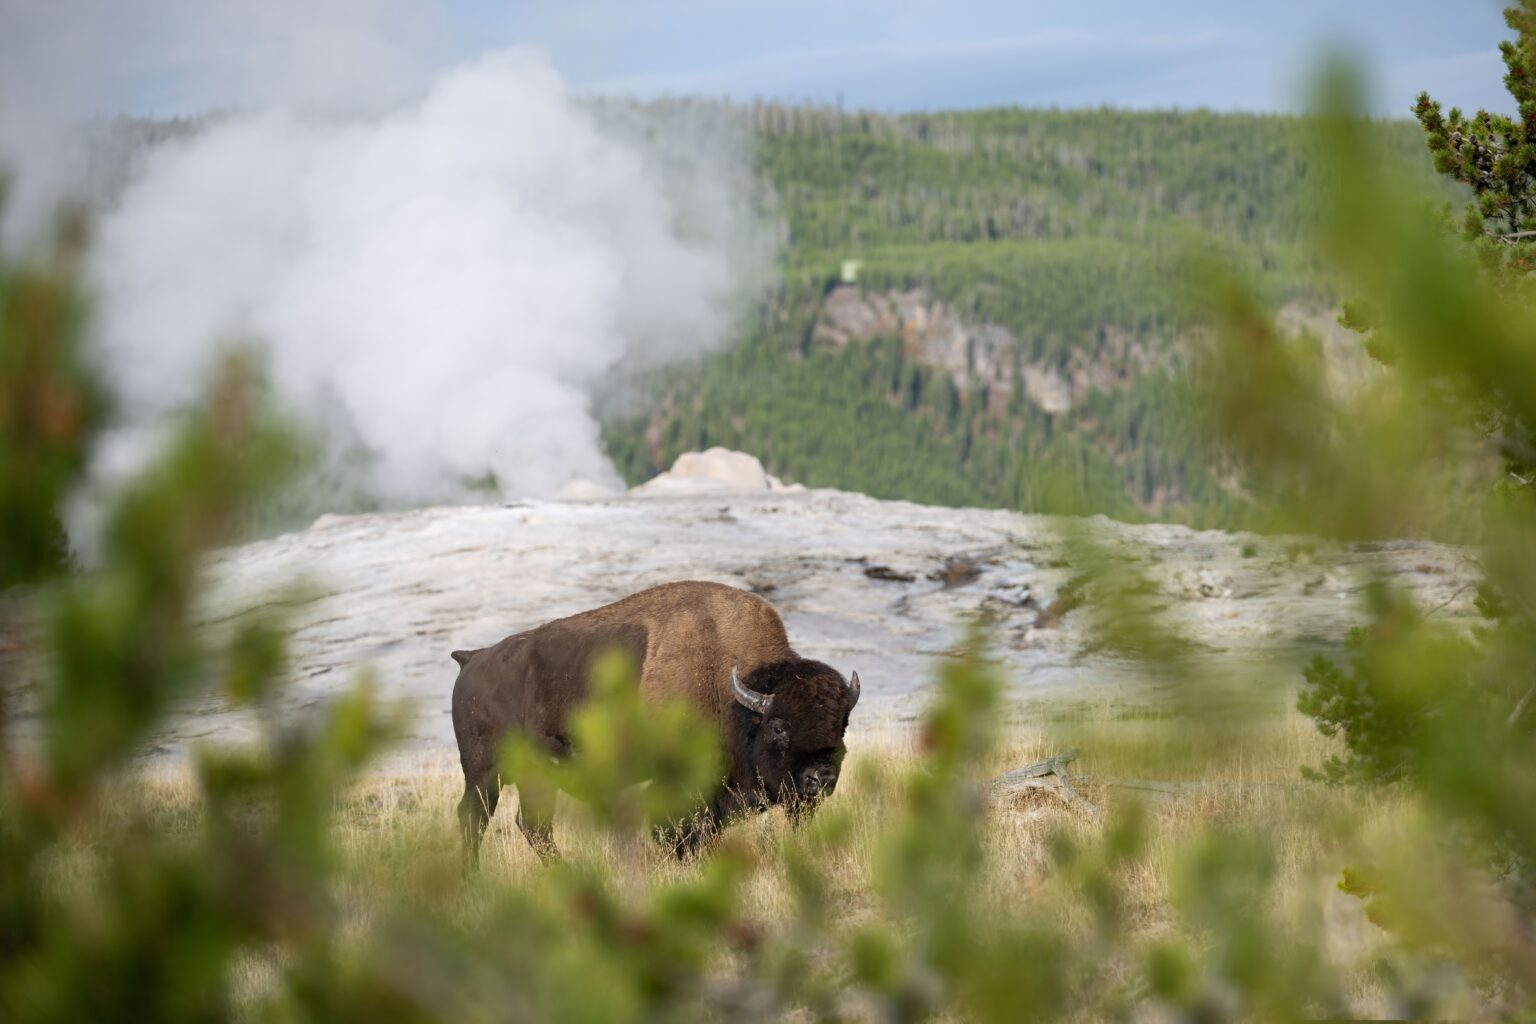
{"x": 781, "y": 717}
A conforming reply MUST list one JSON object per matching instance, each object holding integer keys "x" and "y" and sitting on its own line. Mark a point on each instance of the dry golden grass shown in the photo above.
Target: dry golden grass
{"x": 397, "y": 832}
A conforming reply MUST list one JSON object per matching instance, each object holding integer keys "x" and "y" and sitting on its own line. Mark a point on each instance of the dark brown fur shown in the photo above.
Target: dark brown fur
{"x": 686, "y": 637}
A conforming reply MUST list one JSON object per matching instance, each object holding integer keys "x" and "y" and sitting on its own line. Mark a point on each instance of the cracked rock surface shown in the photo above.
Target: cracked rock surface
{"x": 883, "y": 587}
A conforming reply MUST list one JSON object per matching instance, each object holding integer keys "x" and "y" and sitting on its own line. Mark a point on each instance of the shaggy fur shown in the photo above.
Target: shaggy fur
{"x": 686, "y": 637}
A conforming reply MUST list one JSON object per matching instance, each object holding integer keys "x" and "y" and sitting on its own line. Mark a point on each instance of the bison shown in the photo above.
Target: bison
{"x": 780, "y": 717}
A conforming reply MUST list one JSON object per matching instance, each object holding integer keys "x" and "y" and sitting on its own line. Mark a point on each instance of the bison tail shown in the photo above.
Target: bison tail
{"x": 462, "y": 657}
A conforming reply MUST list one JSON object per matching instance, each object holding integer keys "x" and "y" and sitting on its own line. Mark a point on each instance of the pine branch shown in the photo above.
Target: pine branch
{"x": 1524, "y": 702}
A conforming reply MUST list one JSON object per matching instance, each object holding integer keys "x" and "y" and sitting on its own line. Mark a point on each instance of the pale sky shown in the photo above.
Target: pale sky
{"x": 180, "y": 56}
{"x": 966, "y": 53}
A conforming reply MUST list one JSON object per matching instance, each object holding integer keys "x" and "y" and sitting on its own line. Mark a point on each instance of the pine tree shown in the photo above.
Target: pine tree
{"x": 1382, "y": 703}
{"x": 1493, "y": 154}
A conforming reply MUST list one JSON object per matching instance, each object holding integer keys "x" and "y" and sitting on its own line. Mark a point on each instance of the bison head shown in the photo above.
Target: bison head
{"x": 790, "y": 719}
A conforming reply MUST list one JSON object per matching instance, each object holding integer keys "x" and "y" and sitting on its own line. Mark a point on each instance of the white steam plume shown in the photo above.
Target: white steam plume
{"x": 437, "y": 270}
{"x": 446, "y": 281}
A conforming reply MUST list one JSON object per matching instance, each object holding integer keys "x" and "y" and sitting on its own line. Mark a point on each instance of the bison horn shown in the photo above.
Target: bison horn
{"x": 853, "y": 690}
{"x": 748, "y": 698}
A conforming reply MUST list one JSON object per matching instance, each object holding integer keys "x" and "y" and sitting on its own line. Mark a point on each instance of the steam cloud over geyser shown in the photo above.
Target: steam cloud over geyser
{"x": 438, "y": 286}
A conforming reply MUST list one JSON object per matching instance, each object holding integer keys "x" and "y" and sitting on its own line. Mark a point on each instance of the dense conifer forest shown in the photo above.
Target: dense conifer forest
{"x": 1073, "y": 232}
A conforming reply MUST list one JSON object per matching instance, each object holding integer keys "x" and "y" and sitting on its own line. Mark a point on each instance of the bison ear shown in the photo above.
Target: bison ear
{"x": 462, "y": 657}
{"x": 748, "y": 698}
{"x": 853, "y": 690}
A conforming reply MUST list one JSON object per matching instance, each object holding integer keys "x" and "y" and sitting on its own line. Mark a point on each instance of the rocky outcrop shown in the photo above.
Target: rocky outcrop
{"x": 982, "y": 354}
{"x": 1346, "y": 365}
{"x": 1110, "y": 360}
{"x": 930, "y": 333}
{"x": 713, "y": 471}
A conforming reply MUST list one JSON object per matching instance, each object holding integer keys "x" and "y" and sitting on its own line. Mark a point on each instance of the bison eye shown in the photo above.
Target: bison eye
{"x": 778, "y": 734}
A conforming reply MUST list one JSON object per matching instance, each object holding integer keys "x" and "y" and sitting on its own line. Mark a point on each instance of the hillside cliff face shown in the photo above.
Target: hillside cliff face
{"x": 984, "y": 355}
{"x": 974, "y": 307}
{"x": 879, "y": 586}
{"x": 904, "y": 393}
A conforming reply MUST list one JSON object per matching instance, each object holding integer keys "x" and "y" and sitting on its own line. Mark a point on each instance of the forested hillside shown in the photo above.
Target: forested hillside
{"x": 989, "y": 307}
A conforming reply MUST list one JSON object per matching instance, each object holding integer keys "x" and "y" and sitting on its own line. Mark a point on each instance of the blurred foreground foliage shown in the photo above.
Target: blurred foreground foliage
{"x": 252, "y": 911}
{"x": 1442, "y": 433}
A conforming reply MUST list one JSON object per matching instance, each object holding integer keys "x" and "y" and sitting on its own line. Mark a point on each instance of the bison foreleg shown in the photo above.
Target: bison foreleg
{"x": 692, "y": 834}
{"x": 695, "y": 833}
{"x": 683, "y": 836}
{"x": 536, "y": 818}
{"x": 800, "y": 810}
{"x": 475, "y": 811}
